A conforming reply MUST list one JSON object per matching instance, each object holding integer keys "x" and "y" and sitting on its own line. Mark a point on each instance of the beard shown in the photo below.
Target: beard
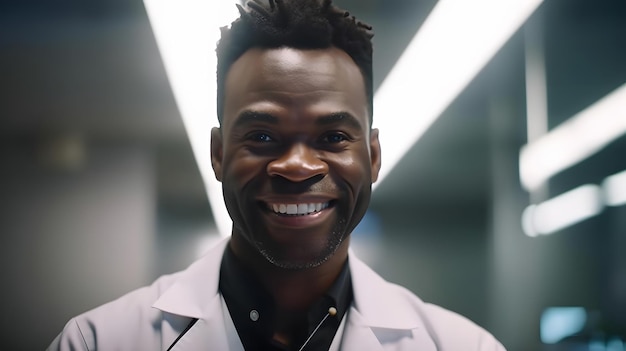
{"x": 280, "y": 257}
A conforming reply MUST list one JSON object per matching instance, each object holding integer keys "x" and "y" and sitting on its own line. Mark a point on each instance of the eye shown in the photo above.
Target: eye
{"x": 334, "y": 138}
{"x": 260, "y": 137}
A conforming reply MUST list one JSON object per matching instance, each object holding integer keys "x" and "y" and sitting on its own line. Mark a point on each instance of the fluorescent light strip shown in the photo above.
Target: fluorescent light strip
{"x": 536, "y": 94}
{"x": 614, "y": 188}
{"x": 455, "y": 42}
{"x": 574, "y": 140}
{"x": 186, "y": 32}
{"x": 562, "y": 211}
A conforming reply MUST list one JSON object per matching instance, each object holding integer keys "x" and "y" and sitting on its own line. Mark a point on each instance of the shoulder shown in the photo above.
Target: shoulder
{"x": 136, "y": 321}
{"x": 448, "y": 330}
{"x": 388, "y": 305}
{"x": 128, "y": 320}
{"x": 453, "y": 331}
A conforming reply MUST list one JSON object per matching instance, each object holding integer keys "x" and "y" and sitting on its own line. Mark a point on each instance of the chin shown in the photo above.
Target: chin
{"x": 295, "y": 265}
{"x": 287, "y": 260}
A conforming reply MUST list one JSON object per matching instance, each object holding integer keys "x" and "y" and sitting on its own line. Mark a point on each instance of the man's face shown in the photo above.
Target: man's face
{"x": 295, "y": 153}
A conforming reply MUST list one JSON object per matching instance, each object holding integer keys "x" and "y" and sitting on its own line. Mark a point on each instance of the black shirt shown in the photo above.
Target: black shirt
{"x": 252, "y": 309}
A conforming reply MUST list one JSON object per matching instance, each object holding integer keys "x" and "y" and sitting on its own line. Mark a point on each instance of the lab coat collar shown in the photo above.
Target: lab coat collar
{"x": 368, "y": 289}
{"x": 380, "y": 318}
{"x": 195, "y": 293}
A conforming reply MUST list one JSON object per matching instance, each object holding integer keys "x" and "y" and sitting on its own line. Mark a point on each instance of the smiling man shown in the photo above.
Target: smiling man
{"x": 297, "y": 156}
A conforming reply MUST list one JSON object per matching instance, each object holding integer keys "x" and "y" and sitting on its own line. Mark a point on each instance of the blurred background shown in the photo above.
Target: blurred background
{"x": 101, "y": 193}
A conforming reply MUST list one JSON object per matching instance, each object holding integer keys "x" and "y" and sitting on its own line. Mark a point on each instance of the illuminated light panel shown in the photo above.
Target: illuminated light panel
{"x": 574, "y": 140}
{"x": 558, "y": 323}
{"x": 562, "y": 211}
{"x": 455, "y": 42}
{"x": 186, "y": 33}
{"x": 614, "y": 188}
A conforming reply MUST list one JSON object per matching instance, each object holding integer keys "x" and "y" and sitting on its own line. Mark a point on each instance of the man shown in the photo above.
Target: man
{"x": 296, "y": 156}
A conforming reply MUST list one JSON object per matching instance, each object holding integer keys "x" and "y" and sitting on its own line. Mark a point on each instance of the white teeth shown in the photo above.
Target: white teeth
{"x": 292, "y": 209}
{"x": 298, "y": 209}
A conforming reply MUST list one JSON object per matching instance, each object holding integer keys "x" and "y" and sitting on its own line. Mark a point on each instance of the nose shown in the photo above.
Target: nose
{"x": 298, "y": 163}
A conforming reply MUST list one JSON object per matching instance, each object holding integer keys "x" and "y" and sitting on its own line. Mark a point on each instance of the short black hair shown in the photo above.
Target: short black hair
{"x": 300, "y": 24}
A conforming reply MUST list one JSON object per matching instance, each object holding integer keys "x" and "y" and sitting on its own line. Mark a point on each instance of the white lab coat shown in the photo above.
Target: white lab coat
{"x": 383, "y": 316}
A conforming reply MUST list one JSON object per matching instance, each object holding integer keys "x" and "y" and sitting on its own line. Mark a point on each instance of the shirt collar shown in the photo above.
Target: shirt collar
{"x": 252, "y": 307}
{"x": 233, "y": 273}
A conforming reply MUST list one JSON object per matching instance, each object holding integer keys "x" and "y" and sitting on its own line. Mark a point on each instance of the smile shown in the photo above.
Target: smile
{"x": 298, "y": 209}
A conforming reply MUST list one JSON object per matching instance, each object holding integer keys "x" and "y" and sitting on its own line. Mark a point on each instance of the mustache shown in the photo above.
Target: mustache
{"x": 317, "y": 184}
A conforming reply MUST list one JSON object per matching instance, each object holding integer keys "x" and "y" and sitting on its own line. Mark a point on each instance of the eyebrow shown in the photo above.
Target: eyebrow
{"x": 247, "y": 117}
{"x": 339, "y": 117}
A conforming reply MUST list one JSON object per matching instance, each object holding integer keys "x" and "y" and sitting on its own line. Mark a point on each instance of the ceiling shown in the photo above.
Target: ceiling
{"x": 92, "y": 71}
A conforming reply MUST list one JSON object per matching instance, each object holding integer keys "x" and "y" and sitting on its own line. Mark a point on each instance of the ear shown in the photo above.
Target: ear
{"x": 217, "y": 152}
{"x": 374, "y": 154}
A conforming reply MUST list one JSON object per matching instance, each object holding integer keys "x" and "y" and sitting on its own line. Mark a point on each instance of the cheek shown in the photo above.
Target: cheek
{"x": 243, "y": 168}
{"x": 354, "y": 167}
{"x": 241, "y": 176}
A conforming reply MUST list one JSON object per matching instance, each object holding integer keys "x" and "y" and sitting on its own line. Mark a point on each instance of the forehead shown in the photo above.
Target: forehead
{"x": 319, "y": 81}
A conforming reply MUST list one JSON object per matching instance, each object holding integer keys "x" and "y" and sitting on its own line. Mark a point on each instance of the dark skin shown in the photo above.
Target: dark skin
{"x": 296, "y": 156}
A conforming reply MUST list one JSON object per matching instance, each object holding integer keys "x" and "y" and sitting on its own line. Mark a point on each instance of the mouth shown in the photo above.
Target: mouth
{"x": 298, "y": 209}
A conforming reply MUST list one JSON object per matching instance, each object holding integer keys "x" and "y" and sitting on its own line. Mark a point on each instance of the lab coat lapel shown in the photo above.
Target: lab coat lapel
{"x": 214, "y": 333}
{"x": 195, "y": 295}
{"x": 205, "y": 334}
{"x": 358, "y": 335}
{"x": 380, "y": 317}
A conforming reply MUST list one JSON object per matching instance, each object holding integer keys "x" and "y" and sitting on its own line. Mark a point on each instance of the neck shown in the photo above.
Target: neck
{"x": 293, "y": 290}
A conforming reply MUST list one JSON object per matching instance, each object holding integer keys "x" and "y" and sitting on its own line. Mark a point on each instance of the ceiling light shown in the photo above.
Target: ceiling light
{"x": 574, "y": 140}
{"x": 562, "y": 211}
{"x": 455, "y": 42}
{"x": 614, "y": 188}
{"x": 186, "y": 33}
